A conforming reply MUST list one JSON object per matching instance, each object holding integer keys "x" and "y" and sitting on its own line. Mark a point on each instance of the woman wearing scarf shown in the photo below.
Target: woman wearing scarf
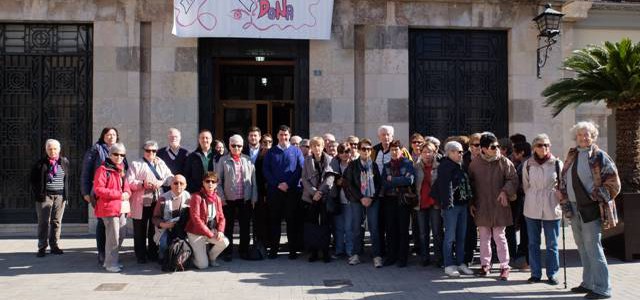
{"x": 364, "y": 183}
{"x": 590, "y": 183}
{"x": 206, "y": 223}
{"x": 317, "y": 180}
{"x": 429, "y": 213}
{"x": 495, "y": 183}
{"x": 50, "y": 183}
{"x": 452, "y": 191}
{"x": 146, "y": 176}
{"x": 342, "y": 219}
{"x": 542, "y": 212}
{"x": 238, "y": 193}
{"x": 397, "y": 178}
{"x": 93, "y": 159}
{"x": 111, "y": 188}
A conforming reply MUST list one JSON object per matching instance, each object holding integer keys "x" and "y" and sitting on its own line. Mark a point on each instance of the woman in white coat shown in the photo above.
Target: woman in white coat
{"x": 542, "y": 210}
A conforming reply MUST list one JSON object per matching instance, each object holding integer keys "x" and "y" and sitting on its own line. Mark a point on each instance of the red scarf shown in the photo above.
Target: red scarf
{"x": 235, "y": 158}
{"x": 425, "y": 200}
{"x": 543, "y": 159}
{"x": 395, "y": 167}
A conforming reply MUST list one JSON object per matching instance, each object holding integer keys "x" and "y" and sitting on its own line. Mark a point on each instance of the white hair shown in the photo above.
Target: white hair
{"x": 175, "y": 129}
{"x": 118, "y": 148}
{"x": 329, "y": 136}
{"x": 295, "y": 138}
{"x": 388, "y": 128}
{"x": 236, "y": 139}
{"x": 151, "y": 143}
{"x": 51, "y": 142}
{"x": 452, "y": 146}
{"x": 586, "y": 125}
{"x": 433, "y": 140}
{"x": 540, "y": 138}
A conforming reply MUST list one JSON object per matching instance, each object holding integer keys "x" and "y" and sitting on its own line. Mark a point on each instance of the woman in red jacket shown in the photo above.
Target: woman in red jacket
{"x": 111, "y": 190}
{"x": 206, "y": 223}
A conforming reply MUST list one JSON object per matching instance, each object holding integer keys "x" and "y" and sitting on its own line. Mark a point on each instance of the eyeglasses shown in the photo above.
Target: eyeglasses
{"x": 150, "y": 150}
{"x": 179, "y": 183}
{"x": 236, "y": 146}
{"x": 476, "y": 145}
{"x": 543, "y": 145}
{"x": 118, "y": 154}
{"x": 494, "y": 147}
{"x": 210, "y": 181}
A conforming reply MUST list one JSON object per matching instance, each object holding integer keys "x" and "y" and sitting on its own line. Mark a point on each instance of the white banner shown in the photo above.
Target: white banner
{"x": 280, "y": 19}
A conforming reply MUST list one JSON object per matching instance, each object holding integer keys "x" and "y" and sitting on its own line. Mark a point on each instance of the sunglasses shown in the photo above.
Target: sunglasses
{"x": 476, "y": 145}
{"x": 354, "y": 144}
{"x": 179, "y": 183}
{"x": 150, "y": 150}
{"x": 366, "y": 148}
{"x": 417, "y": 142}
{"x": 543, "y": 145}
{"x": 236, "y": 146}
{"x": 118, "y": 154}
{"x": 494, "y": 147}
{"x": 267, "y": 142}
{"x": 210, "y": 181}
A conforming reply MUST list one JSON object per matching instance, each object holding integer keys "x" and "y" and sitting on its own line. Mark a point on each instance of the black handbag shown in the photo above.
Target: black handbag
{"x": 407, "y": 197}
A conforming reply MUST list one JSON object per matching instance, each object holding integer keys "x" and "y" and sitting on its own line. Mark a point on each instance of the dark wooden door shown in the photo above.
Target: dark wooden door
{"x": 45, "y": 92}
{"x": 458, "y": 82}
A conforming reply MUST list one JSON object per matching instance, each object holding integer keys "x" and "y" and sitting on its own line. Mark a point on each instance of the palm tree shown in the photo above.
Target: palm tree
{"x": 610, "y": 73}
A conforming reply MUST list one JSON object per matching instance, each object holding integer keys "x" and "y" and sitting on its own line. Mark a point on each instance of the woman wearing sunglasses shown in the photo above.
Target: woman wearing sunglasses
{"x": 146, "y": 176}
{"x": 495, "y": 183}
{"x": 206, "y": 223}
{"x": 111, "y": 188}
{"x": 542, "y": 212}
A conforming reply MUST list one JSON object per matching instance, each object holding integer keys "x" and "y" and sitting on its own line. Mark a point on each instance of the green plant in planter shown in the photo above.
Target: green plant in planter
{"x": 610, "y": 73}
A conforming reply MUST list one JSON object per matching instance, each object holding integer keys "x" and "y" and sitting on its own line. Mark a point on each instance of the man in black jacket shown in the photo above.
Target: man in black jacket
{"x": 50, "y": 182}
{"x": 199, "y": 162}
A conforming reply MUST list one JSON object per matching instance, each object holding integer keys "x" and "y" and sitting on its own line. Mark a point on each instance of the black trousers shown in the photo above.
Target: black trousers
{"x": 471, "y": 240}
{"x": 143, "y": 231}
{"x": 237, "y": 210}
{"x": 260, "y": 225}
{"x": 397, "y": 242}
{"x": 285, "y": 205}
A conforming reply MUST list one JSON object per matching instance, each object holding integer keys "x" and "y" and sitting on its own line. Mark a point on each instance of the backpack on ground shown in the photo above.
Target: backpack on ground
{"x": 178, "y": 256}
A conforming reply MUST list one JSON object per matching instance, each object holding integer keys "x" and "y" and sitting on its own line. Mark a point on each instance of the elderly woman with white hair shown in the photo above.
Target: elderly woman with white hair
{"x": 50, "y": 183}
{"x": 146, "y": 177}
{"x": 590, "y": 183}
{"x": 238, "y": 192}
{"x": 540, "y": 177}
{"x": 452, "y": 191}
{"x": 112, "y": 189}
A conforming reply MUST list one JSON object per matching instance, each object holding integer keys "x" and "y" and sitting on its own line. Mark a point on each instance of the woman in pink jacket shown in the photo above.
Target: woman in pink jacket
{"x": 111, "y": 190}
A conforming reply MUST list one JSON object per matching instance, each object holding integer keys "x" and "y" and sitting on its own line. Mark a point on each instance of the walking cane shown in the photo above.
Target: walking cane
{"x": 564, "y": 254}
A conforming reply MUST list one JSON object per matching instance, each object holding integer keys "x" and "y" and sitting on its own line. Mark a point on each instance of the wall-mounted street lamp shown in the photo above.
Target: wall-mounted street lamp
{"x": 549, "y": 28}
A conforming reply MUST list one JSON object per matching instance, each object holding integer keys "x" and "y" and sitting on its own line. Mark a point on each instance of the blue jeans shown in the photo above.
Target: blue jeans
{"x": 344, "y": 230}
{"x": 455, "y": 230}
{"x": 430, "y": 221}
{"x": 551, "y": 232}
{"x": 163, "y": 244}
{"x": 371, "y": 213}
{"x": 595, "y": 271}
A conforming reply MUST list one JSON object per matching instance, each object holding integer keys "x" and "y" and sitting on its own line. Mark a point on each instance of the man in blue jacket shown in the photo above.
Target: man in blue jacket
{"x": 282, "y": 170}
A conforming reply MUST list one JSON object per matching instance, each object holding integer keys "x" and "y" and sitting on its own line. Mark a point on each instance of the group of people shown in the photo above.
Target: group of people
{"x": 330, "y": 193}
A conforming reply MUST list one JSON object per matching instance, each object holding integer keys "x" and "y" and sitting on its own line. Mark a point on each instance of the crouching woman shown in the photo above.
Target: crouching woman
{"x": 206, "y": 224}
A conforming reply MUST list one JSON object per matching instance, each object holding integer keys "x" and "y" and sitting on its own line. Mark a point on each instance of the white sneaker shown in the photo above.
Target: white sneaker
{"x": 213, "y": 263}
{"x": 377, "y": 262}
{"x": 113, "y": 269}
{"x": 464, "y": 269}
{"x": 452, "y": 271}
{"x": 354, "y": 260}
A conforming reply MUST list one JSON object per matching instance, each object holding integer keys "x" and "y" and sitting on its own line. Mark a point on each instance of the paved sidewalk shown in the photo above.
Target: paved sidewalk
{"x": 75, "y": 275}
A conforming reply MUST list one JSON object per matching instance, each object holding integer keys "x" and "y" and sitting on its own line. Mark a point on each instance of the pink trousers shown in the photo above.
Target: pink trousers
{"x": 501, "y": 245}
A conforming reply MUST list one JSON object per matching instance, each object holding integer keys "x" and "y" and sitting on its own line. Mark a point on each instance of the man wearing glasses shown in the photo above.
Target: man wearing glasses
{"x": 238, "y": 192}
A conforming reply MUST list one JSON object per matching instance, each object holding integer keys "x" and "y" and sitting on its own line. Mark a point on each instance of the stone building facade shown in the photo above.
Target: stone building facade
{"x": 145, "y": 79}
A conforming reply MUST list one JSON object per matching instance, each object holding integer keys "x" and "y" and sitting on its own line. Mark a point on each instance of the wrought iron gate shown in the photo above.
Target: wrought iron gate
{"x": 45, "y": 92}
{"x": 458, "y": 82}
